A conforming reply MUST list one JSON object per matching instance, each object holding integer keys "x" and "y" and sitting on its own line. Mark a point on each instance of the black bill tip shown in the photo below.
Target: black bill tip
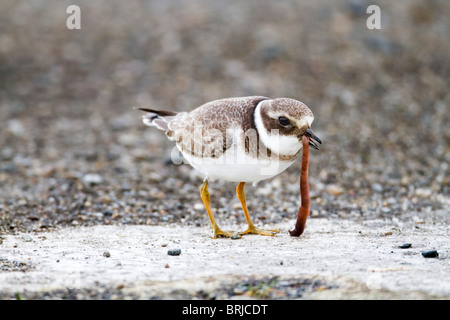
{"x": 313, "y": 144}
{"x": 312, "y": 136}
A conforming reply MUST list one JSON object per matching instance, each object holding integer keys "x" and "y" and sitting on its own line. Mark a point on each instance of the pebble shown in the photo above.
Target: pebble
{"x": 174, "y": 252}
{"x": 9, "y": 167}
{"x": 377, "y": 187}
{"x": 405, "y": 246}
{"x": 16, "y": 127}
{"x": 199, "y": 206}
{"x": 335, "y": 190}
{"x": 106, "y": 254}
{"x": 92, "y": 179}
{"x": 423, "y": 192}
{"x": 26, "y": 238}
{"x": 430, "y": 254}
{"x": 107, "y": 213}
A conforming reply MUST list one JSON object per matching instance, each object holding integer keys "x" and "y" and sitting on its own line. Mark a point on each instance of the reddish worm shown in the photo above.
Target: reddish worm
{"x": 303, "y": 211}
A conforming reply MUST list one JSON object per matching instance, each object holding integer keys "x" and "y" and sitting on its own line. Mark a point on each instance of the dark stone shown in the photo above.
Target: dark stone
{"x": 174, "y": 252}
{"x": 430, "y": 254}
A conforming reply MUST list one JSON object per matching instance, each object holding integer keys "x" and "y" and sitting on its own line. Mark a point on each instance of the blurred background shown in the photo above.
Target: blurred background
{"x": 73, "y": 152}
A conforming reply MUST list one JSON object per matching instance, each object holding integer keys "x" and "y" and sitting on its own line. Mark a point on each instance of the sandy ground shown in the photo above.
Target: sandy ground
{"x": 345, "y": 260}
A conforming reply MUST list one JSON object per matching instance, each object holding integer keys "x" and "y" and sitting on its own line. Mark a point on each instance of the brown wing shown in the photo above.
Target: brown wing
{"x": 204, "y": 131}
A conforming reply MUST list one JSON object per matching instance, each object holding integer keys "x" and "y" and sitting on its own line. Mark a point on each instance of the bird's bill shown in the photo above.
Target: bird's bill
{"x": 311, "y": 135}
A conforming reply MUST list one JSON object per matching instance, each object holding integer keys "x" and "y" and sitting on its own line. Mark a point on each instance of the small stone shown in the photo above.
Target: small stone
{"x": 405, "y": 246}
{"x": 335, "y": 190}
{"x": 9, "y": 167}
{"x": 423, "y": 192}
{"x": 26, "y": 238}
{"x": 198, "y": 206}
{"x": 106, "y": 254}
{"x": 377, "y": 187}
{"x": 174, "y": 252}
{"x": 16, "y": 127}
{"x": 116, "y": 216}
{"x": 92, "y": 179}
{"x": 430, "y": 254}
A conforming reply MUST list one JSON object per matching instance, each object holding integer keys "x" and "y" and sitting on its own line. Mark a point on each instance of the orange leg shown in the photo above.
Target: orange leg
{"x": 251, "y": 227}
{"x": 204, "y": 194}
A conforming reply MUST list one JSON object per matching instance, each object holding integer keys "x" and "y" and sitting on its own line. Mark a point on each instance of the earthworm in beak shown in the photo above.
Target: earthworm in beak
{"x": 303, "y": 211}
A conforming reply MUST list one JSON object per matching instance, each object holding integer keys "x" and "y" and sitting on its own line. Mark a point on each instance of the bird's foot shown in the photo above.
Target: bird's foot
{"x": 219, "y": 233}
{"x": 254, "y": 230}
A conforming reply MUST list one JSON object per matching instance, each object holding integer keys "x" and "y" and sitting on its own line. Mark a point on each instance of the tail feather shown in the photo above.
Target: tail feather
{"x": 157, "y": 118}
{"x": 161, "y": 113}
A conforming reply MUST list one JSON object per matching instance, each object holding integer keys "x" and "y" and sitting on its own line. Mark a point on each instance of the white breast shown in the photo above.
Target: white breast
{"x": 236, "y": 165}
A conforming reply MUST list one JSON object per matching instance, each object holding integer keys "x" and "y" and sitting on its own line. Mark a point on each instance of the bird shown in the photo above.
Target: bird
{"x": 241, "y": 140}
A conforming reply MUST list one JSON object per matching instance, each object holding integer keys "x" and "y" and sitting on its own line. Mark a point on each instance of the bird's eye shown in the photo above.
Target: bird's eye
{"x": 283, "y": 121}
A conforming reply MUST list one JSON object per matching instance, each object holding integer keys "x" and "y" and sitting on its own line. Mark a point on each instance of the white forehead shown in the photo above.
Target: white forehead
{"x": 305, "y": 121}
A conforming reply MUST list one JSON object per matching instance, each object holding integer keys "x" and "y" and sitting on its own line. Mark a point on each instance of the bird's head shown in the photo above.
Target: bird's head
{"x": 282, "y": 123}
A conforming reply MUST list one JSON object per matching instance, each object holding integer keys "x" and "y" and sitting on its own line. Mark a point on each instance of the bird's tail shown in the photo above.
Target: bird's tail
{"x": 157, "y": 118}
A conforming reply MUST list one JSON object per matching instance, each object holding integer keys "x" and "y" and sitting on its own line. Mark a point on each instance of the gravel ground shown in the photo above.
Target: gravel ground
{"x": 74, "y": 154}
